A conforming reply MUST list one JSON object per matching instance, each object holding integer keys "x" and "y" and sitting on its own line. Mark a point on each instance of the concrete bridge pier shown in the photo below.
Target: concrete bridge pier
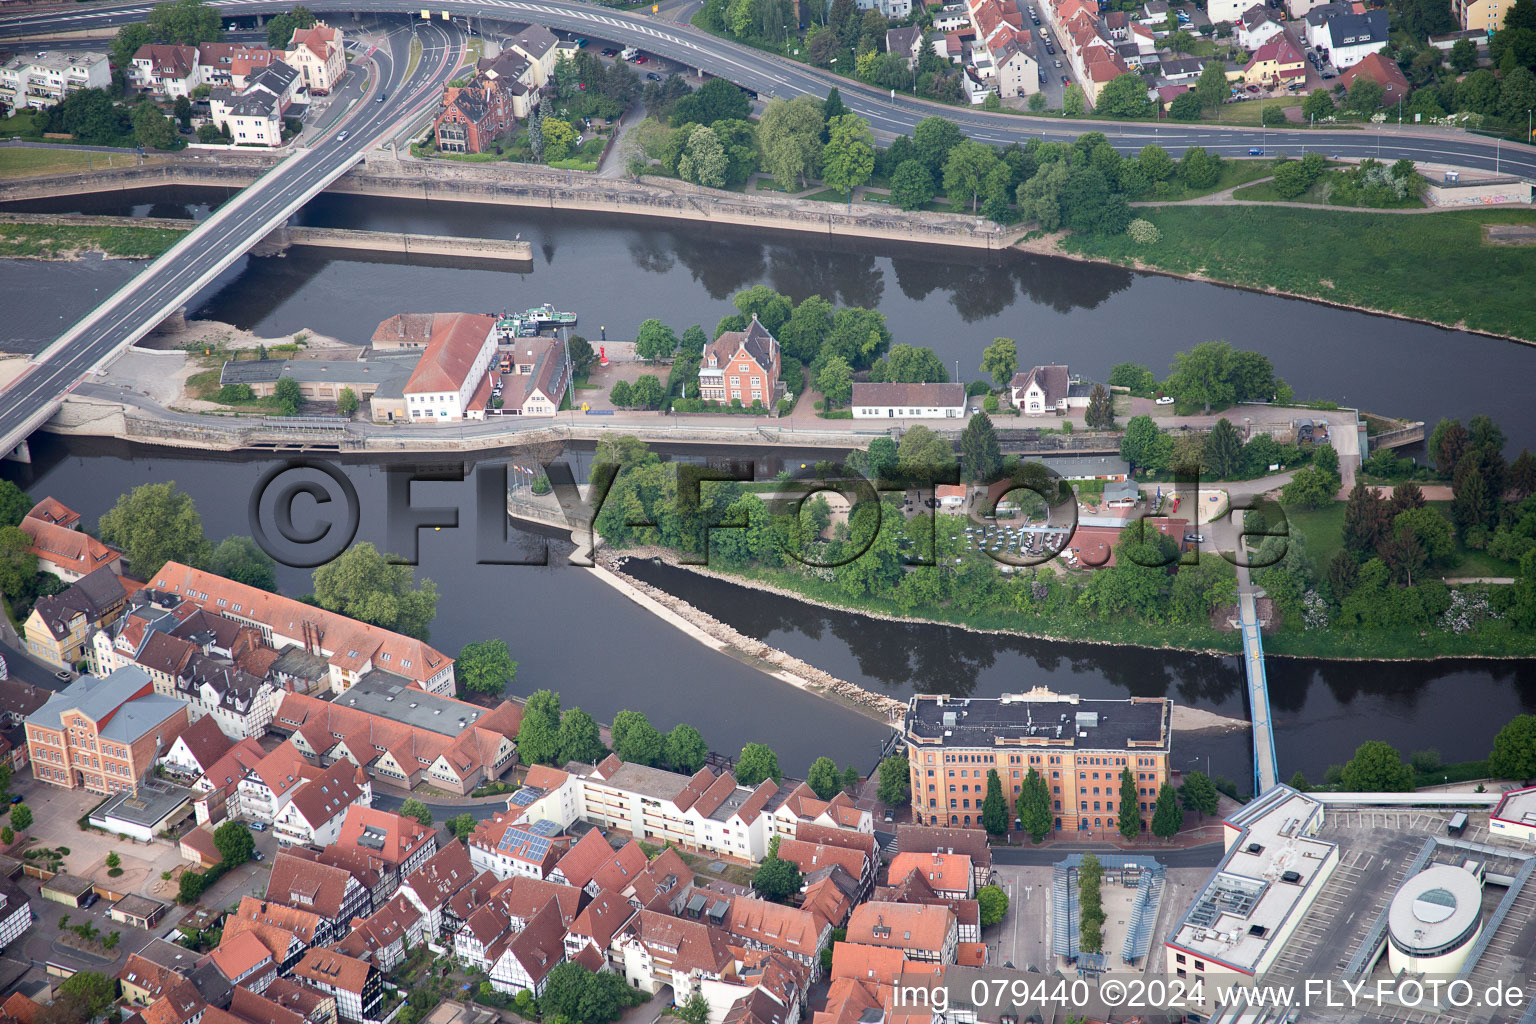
{"x": 173, "y": 324}
{"x": 277, "y": 240}
{"x": 21, "y": 453}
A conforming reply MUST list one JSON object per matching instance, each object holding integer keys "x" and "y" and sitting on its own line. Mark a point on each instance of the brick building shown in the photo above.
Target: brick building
{"x": 1079, "y": 746}
{"x": 742, "y": 366}
{"x": 103, "y": 734}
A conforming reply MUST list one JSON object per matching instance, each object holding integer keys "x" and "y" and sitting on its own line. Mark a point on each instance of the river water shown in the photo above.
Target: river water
{"x": 571, "y": 633}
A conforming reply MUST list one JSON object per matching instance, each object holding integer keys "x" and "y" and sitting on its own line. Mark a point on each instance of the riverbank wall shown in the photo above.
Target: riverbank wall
{"x": 384, "y": 176}
{"x": 496, "y": 249}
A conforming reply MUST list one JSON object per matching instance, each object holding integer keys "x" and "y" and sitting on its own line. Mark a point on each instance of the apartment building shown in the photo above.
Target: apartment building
{"x": 742, "y": 367}
{"x": 404, "y": 736}
{"x": 165, "y": 70}
{"x": 705, "y": 812}
{"x": 352, "y": 649}
{"x": 330, "y": 892}
{"x": 43, "y": 79}
{"x": 320, "y": 56}
{"x": 60, "y": 628}
{"x": 357, "y": 986}
{"x": 313, "y": 817}
{"x": 451, "y": 380}
{"x": 1080, "y": 747}
{"x": 103, "y": 734}
{"x": 922, "y": 932}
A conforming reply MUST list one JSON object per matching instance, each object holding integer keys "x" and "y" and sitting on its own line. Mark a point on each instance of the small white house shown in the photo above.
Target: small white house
{"x": 908, "y": 401}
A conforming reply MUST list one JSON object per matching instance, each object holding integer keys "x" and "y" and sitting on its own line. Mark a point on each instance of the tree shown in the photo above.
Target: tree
{"x": 824, "y": 778}
{"x": 1377, "y": 767}
{"x": 1100, "y": 414}
{"x": 15, "y": 503}
{"x": 1517, "y": 93}
{"x": 1365, "y": 519}
{"x": 1464, "y": 56}
{"x": 757, "y": 762}
{"x": 413, "y": 808}
{"x": 994, "y": 809}
{"x": 1447, "y": 443}
{"x": 685, "y": 749}
{"x": 21, "y": 817}
{"x": 94, "y": 992}
{"x": 932, "y": 139}
{"x": 1140, "y": 442}
{"x": 1034, "y": 806}
{"x": 637, "y": 741}
{"x": 241, "y": 559}
{"x": 1514, "y": 750}
{"x": 1199, "y": 168}
{"x": 894, "y": 782}
{"x": 579, "y": 737}
{"x": 1185, "y": 106}
{"x": 849, "y": 157}
{"x": 1124, "y": 95}
{"x": 703, "y": 161}
{"x": 1471, "y": 501}
{"x": 235, "y": 843}
{"x": 911, "y": 185}
{"x": 190, "y": 886}
{"x": 183, "y": 110}
{"x": 619, "y": 394}
{"x": 1365, "y": 95}
{"x": 1000, "y": 360}
{"x": 1129, "y": 815}
{"x": 789, "y": 133}
{"x": 154, "y": 524}
{"x": 485, "y": 666}
{"x": 1167, "y": 819}
{"x": 1198, "y": 794}
{"x": 7, "y": 835}
{"x": 695, "y": 1010}
{"x": 127, "y": 42}
{"x": 1430, "y": 531}
{"x": 559, "y": 138}
{"x": 716, "y": 100}
{"x": 655, "y": 341}
{"x": 980, "y": 454}
{"x": 18, "y": 565}
{"x": 1522, "y": 476}
{"x": 909, "y": 364}
{"x": 1212, "y": 88}
{"x": 835, "y": 381}
{"x": 776, "y": 880}
{"x": 574, "y": 994}
{"x": 1223, "y": 452}
{"x": 966, "y": 170}
{"x": 152, "y": 129}
{"x": 188, "y": 22}
{"x": 922, "y": 452}
{"x": 364, "y": 584}
{"x": 461, "y": 825}
{"x": 1310, "y": 488}
{"x": 538, "y": 738}
{"x": 347, "y": 402}
{"x": 994, "y": 904}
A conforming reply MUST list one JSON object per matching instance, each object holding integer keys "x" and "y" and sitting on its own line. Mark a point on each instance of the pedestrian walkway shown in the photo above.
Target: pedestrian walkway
{"x": 1266, "y": 771}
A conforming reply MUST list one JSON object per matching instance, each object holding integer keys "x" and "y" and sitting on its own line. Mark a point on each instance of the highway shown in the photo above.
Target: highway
{"x": 175, "y": 277}
{"x": 772, "y": 76}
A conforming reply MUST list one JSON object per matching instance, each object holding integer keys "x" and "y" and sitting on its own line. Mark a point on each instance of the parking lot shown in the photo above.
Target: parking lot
{"x": 1377, "y": 847}
{"x": 1046, "y": 37}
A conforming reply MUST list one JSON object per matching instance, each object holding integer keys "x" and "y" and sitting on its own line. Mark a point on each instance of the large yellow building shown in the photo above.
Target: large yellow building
{"x": 1079, "y": 746}
{"x": 1482, "y": 15}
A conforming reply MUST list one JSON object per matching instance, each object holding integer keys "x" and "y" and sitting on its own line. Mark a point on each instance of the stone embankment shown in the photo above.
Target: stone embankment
{"x": 539, "y": 187}
{"x": 714, "y": 633}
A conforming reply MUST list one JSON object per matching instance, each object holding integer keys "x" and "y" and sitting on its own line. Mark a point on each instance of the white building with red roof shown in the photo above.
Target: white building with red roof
{"x": 165, "y": 69}
{"x": 454, "y": 368}
{"x": 314, "y": 816}
{"x": 319, "y": 55}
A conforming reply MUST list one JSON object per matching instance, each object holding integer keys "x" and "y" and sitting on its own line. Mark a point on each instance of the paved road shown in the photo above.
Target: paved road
{"x": 442, "y": 812}
{"x": 776, "y": 76}
{"x": 1206, "y": 855}
{"x": 221, "y": 239}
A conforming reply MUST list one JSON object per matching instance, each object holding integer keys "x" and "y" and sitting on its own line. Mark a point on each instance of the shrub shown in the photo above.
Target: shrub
{"x": 989, "y": 403}
{"x": 1143, "y": 232}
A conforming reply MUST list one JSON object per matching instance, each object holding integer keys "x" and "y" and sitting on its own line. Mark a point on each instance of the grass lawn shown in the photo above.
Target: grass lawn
{"x": 1434, "y": 266}
{"x": 1320, "y": 192}
{"x": 51, "y": 241}
{"x": 27, "y": 163}
{"x": 1468, "y": 562}
{"x": 1233, "y": 172}
{"x": 205, "y": 385}
{"x": 1323, "y": 530}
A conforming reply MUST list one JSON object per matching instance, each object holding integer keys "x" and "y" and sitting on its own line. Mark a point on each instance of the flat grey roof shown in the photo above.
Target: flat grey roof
{"x": 648, "y": 781}
{"x": 386, "y": 695}
{"x": 139, "y": 906}
{"x": 71, "y": 885}
{"x": 169, "y": 955}
{"x": 983, "y": 721}
{"x": 92, "y": 696}
{"x": 152, "y": 804}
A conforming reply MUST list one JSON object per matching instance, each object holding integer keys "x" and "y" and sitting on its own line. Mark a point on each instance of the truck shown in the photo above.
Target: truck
{"x": 628, "y": 53}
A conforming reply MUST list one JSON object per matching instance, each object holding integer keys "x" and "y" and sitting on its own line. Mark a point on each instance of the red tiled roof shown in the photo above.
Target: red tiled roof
{"x": 951, "y": 871}
{"x": 400, "y": 836}
{"x": 70, "y": 549}
{"x": 332, "y": 970}
{"x": 206, "y": 742}
{"x": 52, "y": 510}
{"x": 585, "y": 859}
{"x": 901, "y": 925}
{"x": 449, "y": 356}
{"x": 296, "y": 881}
{"x": 239, "y": 955}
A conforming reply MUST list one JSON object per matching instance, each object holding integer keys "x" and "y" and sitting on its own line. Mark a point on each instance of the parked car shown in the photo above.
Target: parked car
{"x": 1165, "y": 400}
{"x": 63, "y": 674}
{"x": 641, "y": 59}
{"x": 16, "y": 800}
{"x": 1329, "y": 75}
{"x": 1058, "y": 63}
{"x": 1194, "y": 538}
{"x": 258, "y": 855}
{"x": 258, "y": 826}
{"x": 90, "y": 899}
{"x": 652, "y": 76}
{"x": 1065, "y": 80}
{"x": 580, "y": 42}
{"x": 890, "y": 815}
{"x": 609, "y": 51}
